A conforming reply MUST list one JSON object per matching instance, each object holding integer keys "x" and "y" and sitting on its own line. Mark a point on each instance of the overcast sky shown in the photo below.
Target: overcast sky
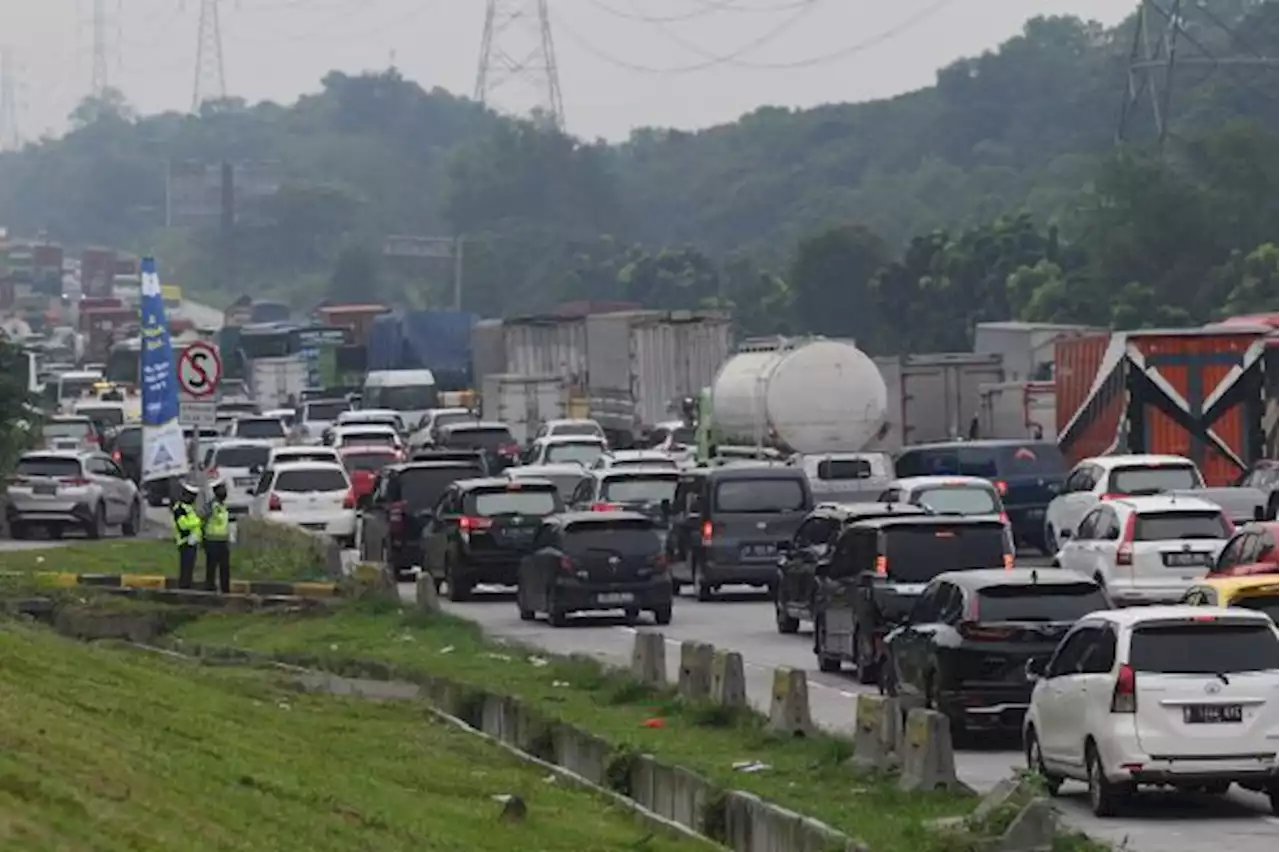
{"x": 622, "y": 63}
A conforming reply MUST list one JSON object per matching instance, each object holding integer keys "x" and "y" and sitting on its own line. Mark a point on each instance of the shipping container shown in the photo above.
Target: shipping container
{"x": 640, "y": 364}
{"x": 277, "y": 382}
{"x": 523, "y": 402}
{"x": 488, "y": 355}
{"x": 933, "y": 397}
{"x": 1026, "y": 348}
{"x": 358, "y": 318}
{"x": 439, "y": 341}
{"x": 97, "y": 271}
{"x": 547, "y": 346}
{"x": 1019, "y": 410}
{"x": 1199, "y": 393}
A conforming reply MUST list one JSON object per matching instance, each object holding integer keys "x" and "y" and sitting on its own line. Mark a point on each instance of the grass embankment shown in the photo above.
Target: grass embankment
{"x": 108, "y": 750}
{"x": 808, "y": 775}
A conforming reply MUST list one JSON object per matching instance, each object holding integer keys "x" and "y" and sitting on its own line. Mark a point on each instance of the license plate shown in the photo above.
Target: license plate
{"x": 615, "y": 598}
{"x": 44, "y": 489}
{"x": 1212, "y": 714}
{"x": 757, "y": 551}
{"x": 1178, "y": 560}
{"x": 313, "y": 526}
{"x": 1035, "y": 513}
{"x": 244, "y": 481}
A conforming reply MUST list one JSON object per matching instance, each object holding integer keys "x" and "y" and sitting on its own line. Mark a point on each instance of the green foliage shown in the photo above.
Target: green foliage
{"x": 15, "y": 418}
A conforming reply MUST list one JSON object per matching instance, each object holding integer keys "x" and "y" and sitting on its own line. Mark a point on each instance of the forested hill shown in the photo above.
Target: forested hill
{"x": 940, "y": 197}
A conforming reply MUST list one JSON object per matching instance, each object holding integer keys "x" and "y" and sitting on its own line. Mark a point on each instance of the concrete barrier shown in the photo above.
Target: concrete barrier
{"x": 370, "y": 580}
{"x": 426, "y": 599}
{"x": 581, "y": 753}
{"x": 728, "y": 682}
{"x": 649, "y": 658}
{"x": 877, "y": 729}
{"x": 695, "y": 670}
{"x": 789, "y": 708}
{"x": 753, "y": 825}
{"x": 928, "y": 757}
{"x": 160, "y": 583}
{"x": 670, "y": 791}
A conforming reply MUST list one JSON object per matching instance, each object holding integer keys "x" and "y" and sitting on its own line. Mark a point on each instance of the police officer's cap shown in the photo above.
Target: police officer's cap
{"x": 189, "y": 489}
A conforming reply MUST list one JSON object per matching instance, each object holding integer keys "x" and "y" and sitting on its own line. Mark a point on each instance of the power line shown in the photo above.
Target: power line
{"x": 702, "y": 10}
{"x": 210, "y": 78}
{"x": 516, "y": 47}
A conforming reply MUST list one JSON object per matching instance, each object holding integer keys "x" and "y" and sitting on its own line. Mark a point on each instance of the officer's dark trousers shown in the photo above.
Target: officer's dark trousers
{"x": 217, "y": 565}
{"x": 187, "y": 565}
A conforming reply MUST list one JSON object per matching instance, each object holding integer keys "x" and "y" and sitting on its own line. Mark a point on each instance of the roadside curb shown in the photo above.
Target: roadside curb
{"x": 262, "y": 588}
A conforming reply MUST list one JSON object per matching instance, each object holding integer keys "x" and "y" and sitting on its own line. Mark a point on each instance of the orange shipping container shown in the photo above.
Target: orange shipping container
{"x": 1195, "y": 393}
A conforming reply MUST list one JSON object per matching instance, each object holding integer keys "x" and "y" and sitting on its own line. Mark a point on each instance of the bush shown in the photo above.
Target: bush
{"x": 265, "y": 550}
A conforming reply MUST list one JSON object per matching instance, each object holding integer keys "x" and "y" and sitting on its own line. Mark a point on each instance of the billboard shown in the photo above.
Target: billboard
{"x": 193, "y": 195}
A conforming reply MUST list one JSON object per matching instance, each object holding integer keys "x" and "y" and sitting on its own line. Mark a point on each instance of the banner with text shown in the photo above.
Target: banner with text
{"x": 164, "y": 453}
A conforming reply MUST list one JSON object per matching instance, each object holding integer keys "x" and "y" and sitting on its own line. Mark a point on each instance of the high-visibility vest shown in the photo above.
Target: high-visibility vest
{"x": 218, "y": 526}
{"x": 186, "y": 525}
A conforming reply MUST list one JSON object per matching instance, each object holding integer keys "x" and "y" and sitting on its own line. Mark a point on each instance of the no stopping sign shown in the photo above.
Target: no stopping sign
{"x": 199, "y": 370}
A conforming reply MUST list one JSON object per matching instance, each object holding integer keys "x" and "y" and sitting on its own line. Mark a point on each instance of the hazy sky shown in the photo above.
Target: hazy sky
{"x": 623, "y": 63}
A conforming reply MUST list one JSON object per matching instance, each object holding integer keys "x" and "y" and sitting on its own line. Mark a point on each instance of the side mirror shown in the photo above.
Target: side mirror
{"x": 1034, "y": 669}
{"x": 1259, "y": 513}
{"x": 1065, "y": 535}
{"x": 665, "y": 506}
{"x": 256, "y": 469}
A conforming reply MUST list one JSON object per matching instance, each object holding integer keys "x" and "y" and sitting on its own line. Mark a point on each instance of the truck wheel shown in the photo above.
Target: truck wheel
{"x": 662, "y": 616}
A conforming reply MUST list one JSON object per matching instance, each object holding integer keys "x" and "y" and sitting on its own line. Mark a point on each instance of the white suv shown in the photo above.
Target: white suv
{"x": 1146, "y": 549}
{"x": 1178, "y": 696}
{"x": 316, "y": 496}
{"x": 1113, "y": 476}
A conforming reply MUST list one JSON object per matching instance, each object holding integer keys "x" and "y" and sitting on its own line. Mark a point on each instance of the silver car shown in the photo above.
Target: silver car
{"x": 61, "y": 489}
{"x": 69, "y": 432}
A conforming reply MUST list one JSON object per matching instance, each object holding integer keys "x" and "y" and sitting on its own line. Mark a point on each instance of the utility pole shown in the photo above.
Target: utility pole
{"x": 101, "y": 48}
{"x": 210, "y": 78}
{"x": 10, "y": 138}
{"x": 516, "y": 48}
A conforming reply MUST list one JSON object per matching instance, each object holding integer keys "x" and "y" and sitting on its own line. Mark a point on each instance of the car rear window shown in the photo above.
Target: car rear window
{"x": 639, "y": 489}
{"x": 243, "y": 457}
{"x": 129, "y": 439}
{"x": 315, "y": 479}
{"x": 451, "y": 417}
{"x": 67, "y": 429}
{"x": 1260, "y": 603}
{"x": 840, "y": 469}
{"x": 371, "y": 462}
{"x": 759, "y": 495}
{"x": 1204, "y": 648}
{"x": 325, "y": 412}
{"x": 584, "y": 454}
{"x": 480, "y": 439}
{"x": 1040, "y": 602}
{"x": 368, "y": 439}
{"x": 565, "y": 483}
{"x": 421, "y": 487}
{"x": 664, "y": 463}
{"x": 576, "y": 429}
{"x": 516, "y": 499}
{"x": 260, "y": 429}
{"x": 630, "y": 537}
{"x": 304, "y": 455}
{"x": 958, "y": 499}
{"x": 1172, "y": 526}
{"x": 920, "y": 552}
{"x": 52, "y": 466}
{"x": 1031, "y": 458}
{"x": 1152, "y": 479}
{"x": 106, "y": 416}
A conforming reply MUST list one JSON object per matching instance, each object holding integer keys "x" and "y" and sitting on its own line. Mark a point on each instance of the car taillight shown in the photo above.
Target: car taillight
{"x": 1004, "y": 518}
{"x": 605, "y": 507}
{"x": 1124, "y": 553}
{"x": 273, "y": 502}
{"x": 1113, "y": 496}
{"x": 566, "y": 565}
{"x": 1124, "y": 697}
{"x": 1002, "y": 487}
{"x": 91, "y": 437}
{"x": 212, "y": 473}
{"x": 708, "y": 530}
{"x": 115, "y": 456}
{"x": 349, "y": 499}
{"x": 467, "y": 523}
{"x": 77, "y": 481}
{"x": 395, "y": 516}
{"x": 1008, "y": 562}
{"x": 974, "y": 631}
{"x": 882, "y": 566}
{"x": 509, "y": 450}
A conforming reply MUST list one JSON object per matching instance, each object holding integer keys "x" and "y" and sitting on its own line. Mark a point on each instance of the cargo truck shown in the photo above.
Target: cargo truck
{"x": 934, "y": 397}
{"x": 523, "y": 402}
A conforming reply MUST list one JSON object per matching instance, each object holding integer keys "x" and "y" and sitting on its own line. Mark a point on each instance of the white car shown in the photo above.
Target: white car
{"x": 315, "y": 496}
{"x": 1147, "y": 549}
{"x": 69, "y": 432}
{"x": 302, "y": 452}
{"x": 635, "y": 458}
{"x": 424, "y": 434}
{"x": 238, "y": 464}
{"x": 317, "y": 415}
{"x": 256, "y": 428}
{"x": 1164, "y": 695}
{"x": 365, "y": 435}
{"x": 371, "y": 417}
{"x": 565, "y": 476}
{"x": 967, "y": 496}
{"x": 287, "y": 416}
{"x": 569, "y": 427}
{"x": 1118, "y": 476}
{"x": 572, "y": 449}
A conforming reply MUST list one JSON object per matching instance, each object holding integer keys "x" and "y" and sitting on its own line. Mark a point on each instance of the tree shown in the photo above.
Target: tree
{"x": 830, "y": 278}
{"x": 355, "y": 276}
{"x": 15, "y": 399}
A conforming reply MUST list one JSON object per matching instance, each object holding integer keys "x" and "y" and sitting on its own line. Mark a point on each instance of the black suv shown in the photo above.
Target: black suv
{"x": 809, "y": 553}
{"x": 403, "y": 497}
{"x": 493, "y": 439}
{"x": 647, "y": 491}
{"x": 125, "y": 447}
{"x": 592, "y": 561}
{"x": 1027, "y": 474}
{"x": 477, "y": 458}
{"x": 877, "y": 571}
{"x": 482, "y": 528}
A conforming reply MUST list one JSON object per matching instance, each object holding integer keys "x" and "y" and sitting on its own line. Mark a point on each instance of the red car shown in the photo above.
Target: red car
{"x": 364, "y": 463}
{"x": 1252, "y": 550}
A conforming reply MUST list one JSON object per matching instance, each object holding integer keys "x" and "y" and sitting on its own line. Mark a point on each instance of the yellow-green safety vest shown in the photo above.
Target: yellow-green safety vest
{"x": 187, "y": 525}
{"x": 218, "y": 526}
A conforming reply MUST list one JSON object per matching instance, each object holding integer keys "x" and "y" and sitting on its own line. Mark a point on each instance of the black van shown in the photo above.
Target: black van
{"x": 1028, "y": 475}
{"x": 736, "y": 523}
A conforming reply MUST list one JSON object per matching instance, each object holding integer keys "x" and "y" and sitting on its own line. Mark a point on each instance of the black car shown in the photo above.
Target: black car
{"x": 403, "y": 498}
{"x": 125, "y": 447}
{"x": 809, "y": 552}
{"x": 964, "y": 647}
{"x": 482, "y": 528}
{"x": 879, "y": 568}
{"x": 471, "y": 456}
{"x": 1027, "y": 474}
{"x": 493, "y": 439}
{"x": 595, "y": 561}
{"x": 636, "y": 489}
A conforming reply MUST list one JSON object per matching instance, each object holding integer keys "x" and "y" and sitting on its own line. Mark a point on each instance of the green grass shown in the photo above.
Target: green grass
{"x": 808, "y": 775}
{"x": 108, "y": 750}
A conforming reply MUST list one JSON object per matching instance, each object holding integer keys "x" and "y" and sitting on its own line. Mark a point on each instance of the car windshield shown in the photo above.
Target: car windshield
{"x": 52, "y": 466}
{"x": 1172, "y": 526}
{"x": 104, "y": 416}
{"x": 626, "y": 537}
{"x": 584, "y": 454}
{"x": 638, "y": 489}
{"x": 920, "y": 552}
{"x": 760, "y": 496}
{"x": 312, "y": 479}
{"x": 522, "y": 500}
{"x": 241, "y": 457}
{"x": 421, "y": 487}
{"x": 1204, "y": 647}
{"x": 486, "y": 438}
{"x": 959, "y": 500}
{"x": 67, "y": 429}
{"x": 575, "y": 429}
{"x": 260, "y": 429}
{"x": 1153, "y": 479}
{"x": 369, "y": 462}
{"x": 326, "y": 411}
{"x": 1040, "y": 602}
{"x": 1259, "y": 603}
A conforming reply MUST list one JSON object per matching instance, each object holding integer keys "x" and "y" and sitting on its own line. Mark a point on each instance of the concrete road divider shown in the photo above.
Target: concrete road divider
{"x": 728, "y": 682}
{"x": 695, "y": 670}
{"x": 649, "y": 658}
{"x": 928, "y": 757}
{"x": 371, "y": 580}
{"x": 426, "y": 598}
{"x": 876, "y": 734}
{"x": 278, "y": 588}
{"x": 789, "y": 709}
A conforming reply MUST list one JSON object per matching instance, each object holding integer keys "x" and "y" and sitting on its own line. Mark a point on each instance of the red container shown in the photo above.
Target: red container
{"x": 358, "y": 318}
{"x": 97, "y": 271}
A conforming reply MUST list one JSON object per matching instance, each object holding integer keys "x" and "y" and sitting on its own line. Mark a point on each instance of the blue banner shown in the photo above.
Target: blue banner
{"x": 164, "y": 451}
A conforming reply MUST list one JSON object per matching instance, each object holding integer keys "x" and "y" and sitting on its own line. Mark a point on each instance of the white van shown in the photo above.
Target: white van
{"x": 412, "y": 393}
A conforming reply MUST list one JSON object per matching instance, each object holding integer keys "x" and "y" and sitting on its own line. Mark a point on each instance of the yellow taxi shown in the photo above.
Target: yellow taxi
{"x": 1259, "y": 592}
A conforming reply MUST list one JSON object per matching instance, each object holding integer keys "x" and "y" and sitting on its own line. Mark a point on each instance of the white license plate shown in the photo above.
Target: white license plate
{"x": 615, "y": 598}
{"x": 1212, "y": 714}
{"x": 313, "y": 526}
{"x": 1182, "y": 560}
{"x": 44, "y": 490}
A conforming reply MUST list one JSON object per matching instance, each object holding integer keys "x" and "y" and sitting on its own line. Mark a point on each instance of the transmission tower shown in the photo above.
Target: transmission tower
{"x": 516, "y": 48}
{"x": 9, "y": 136}
{"x": 1162, "y": 43}
{"x": 101, "y": 49}
{"x": 210, "y": 80}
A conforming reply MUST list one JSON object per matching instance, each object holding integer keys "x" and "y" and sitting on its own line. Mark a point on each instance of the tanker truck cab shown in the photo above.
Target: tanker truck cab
{"x": 410, "y": 393}
{"x": 743, "y": 515}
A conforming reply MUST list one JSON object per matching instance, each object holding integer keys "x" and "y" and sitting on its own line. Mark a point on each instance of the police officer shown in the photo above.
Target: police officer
{"x": 217, "y": 542}
{"x": 187, "y": 528}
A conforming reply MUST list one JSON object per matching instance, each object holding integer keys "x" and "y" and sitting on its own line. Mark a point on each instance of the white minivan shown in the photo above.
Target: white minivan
{"x": 411, "y": 393}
